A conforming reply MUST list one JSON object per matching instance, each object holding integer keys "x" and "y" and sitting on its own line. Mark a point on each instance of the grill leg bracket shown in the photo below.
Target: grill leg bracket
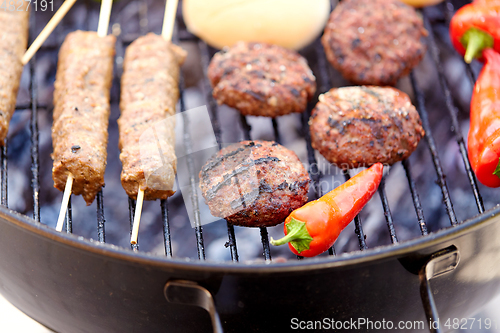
{"x": 190, "y": 293}
{"x": 439, "y": 263}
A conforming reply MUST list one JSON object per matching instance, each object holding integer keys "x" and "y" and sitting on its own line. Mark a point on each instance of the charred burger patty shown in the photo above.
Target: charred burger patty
{"x": 254, "y": 183}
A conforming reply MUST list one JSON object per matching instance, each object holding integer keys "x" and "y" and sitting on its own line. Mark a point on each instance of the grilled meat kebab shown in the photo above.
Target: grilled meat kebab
{"x": 14, "y": 40}
{"x": 149, "y": 93}
{"x": 374, "y": 42}
{"x": 360, "y": 126}
{"x": 261, "y": 79}
{"x": 81, "y": 112}
{"x": 254, "y": 183}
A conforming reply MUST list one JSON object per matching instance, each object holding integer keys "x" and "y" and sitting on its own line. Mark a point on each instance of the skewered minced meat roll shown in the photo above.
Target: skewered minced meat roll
{"x": 81, "y": 112}
{"x": 13, "y": 43}
{"x": 149, "y": 93}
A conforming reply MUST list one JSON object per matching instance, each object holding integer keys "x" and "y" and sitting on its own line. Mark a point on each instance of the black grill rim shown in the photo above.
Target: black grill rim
{"x": 371, "y": 255}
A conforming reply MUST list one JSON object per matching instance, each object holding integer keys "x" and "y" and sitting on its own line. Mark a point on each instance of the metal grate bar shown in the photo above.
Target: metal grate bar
{"x": 69, "y": 218}
{"x": 470, "y": 74}
{"x": 323, "y": 69}
{"x": 263, "y": 230}
{"x": 387, "y": 211}
{"x": 449, "y": 12}
{"x": 131, "y": 212}
{"x": 265, "y": 243}
{"x": 432, "y": 147}
{"x": 35, "y": 169}
{"x": 358, "y": 229}
{"x": 101, "y": 235}
{"x": 192, "y": 181}
{"x": 314, "y": 171}
{"x": 166, "y": 228}
{"x": 25, "y": 107}
{"x": 277, "y": 136}
{"x": 212, "y": 106}
{"x": 453, "y": 114}
{"x": 246, "y": 128}
{"x": 3, "y": 161}
{"x": 416, "y": 200}
{"x": 100, "y": 218}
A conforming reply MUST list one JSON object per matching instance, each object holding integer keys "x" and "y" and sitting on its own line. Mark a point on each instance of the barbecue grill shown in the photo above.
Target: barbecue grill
{"x": 74, "y": 284}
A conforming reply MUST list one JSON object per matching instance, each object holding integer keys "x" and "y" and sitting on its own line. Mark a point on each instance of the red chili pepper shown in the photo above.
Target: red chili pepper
{"x": 476, "y": 26}
{"x": 484, "y": 132}
{"x": 313, "y": 228}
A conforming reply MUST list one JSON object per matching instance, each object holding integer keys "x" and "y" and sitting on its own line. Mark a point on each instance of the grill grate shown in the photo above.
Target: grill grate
{"x": 433, "y": 149}
{"x": 434, "y": 51}
{"x": 192, "y": 182}
{"x": 325, "y": 78}
{"x": 416, "y": 200}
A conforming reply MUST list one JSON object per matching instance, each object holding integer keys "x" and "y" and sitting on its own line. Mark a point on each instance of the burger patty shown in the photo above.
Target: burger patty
{"x": 261, "y": 79}
{"x": 359, "y": 126}
{"x": 254, "y": 183}
{"x": 374, "y": 41}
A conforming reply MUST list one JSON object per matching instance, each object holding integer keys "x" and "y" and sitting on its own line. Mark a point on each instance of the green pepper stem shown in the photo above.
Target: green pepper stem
{"x": 297, "y": 235}
{"x": 497, "y": 170}
{"x": 475, "y": 41}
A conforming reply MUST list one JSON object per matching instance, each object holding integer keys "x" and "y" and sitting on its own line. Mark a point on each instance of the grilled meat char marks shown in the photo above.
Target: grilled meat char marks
{"x": 254, "y": 183}
{"x": 261, "y": 79}
{"x": 374, "y": 41}
{"x": 359, "y": 126}
{"x": 14, "y": 39}
{"x": 148, "y": 97}
{"x": 81, "y": 112}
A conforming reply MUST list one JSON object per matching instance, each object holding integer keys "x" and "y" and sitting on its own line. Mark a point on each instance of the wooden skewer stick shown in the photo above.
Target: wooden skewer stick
{"x": 166, "y": 33}
{"x": 40, "y": 39}
{"x": 104, "y": 14}
{"x": 137, "y": 216}
{"x": 64, "y": 203}
{"x": 169, "y": 19}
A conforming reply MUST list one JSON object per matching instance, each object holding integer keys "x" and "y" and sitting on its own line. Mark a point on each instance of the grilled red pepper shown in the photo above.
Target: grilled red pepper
{"x": 475, "y": 27}
{"x": 313, "y": 228}
{"x": 484, "y": 132}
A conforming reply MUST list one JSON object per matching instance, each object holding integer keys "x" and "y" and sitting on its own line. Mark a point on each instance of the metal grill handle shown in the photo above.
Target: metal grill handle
{"x": 190, "y": 293}
{"x": 439, "y": 263}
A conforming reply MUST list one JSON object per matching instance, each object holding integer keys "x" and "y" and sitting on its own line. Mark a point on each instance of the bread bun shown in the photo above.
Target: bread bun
{"x": 290, "y": 23}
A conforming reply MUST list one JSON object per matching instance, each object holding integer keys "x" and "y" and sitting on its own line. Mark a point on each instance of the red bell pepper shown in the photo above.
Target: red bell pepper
{"x": 484, "y": 132}
{"x": 313, "y": 228}
{"x": 476, "y": 26}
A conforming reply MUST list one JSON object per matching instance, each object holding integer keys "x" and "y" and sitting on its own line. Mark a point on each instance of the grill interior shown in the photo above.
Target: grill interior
{"x": 129, "y": 20}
